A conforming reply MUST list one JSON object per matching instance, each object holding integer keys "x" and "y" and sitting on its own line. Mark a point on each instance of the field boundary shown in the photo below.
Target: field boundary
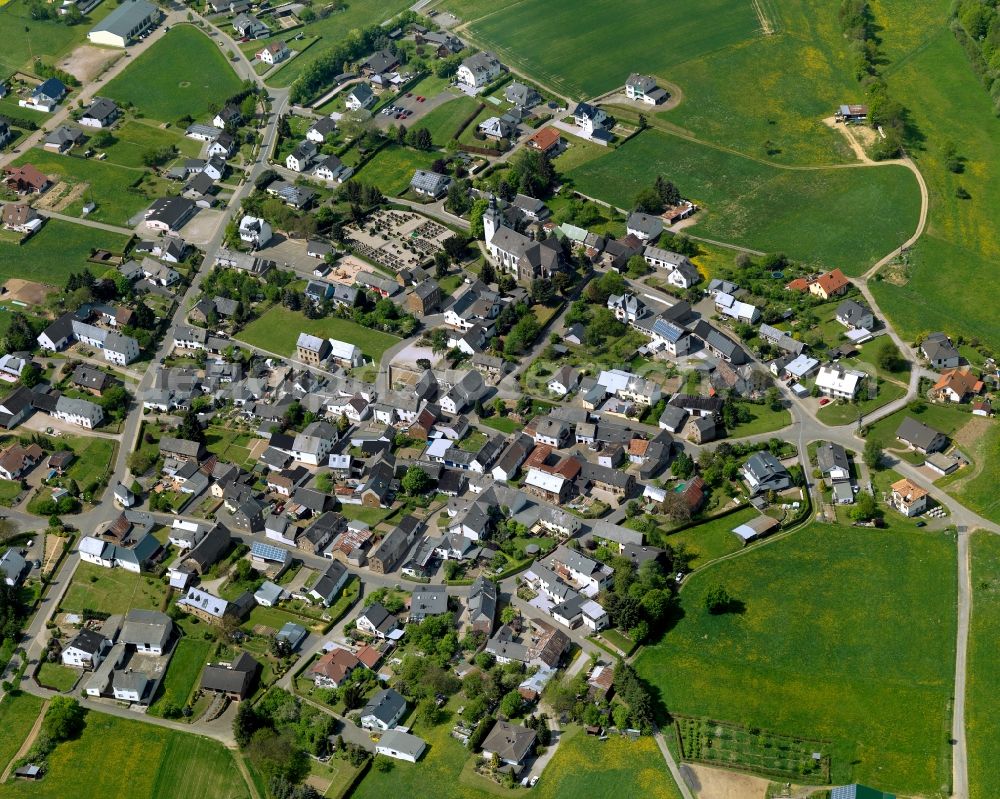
{"x": 26, "y": 745}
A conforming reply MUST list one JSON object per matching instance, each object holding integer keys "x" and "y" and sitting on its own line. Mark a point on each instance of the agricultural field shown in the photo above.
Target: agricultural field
{"x": 333, "y": 29}
{"x": 657, "y": 36}
{"x": 928, "y": 72}
{"x": 813, "y": 656}
{"x": 111, "y": 590}
{"x": 183, "y": 674}
{"x": 392, "y": 168}
{"x": 162, "y": 764}
{"x": 278, "y": 330}
{"x": 825, "y": 217}
{"x": 58, "y": 249}
{"x": 982, "y": 703}
{"x": 184, "y": 73}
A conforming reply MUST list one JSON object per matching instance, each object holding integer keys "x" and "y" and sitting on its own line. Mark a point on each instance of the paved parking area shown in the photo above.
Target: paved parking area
{"x": 417, "y": 109}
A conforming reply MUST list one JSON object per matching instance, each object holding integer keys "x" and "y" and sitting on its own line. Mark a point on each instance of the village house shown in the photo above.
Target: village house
{"x": 830, "y": 284}
{"x": 919, "y": 436}
{"x": 478, "y": 70}
{"x": 643, "y": 89}
{"x": 273, "y": 53}
{"x": 956, "y": 385}
{"x": 908, "y": 498}
{"x": 763, "y": 472}
{"x": 940, "y": 352}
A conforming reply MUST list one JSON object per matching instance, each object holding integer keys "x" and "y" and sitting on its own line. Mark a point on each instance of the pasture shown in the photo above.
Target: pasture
{"x": 184, "y": 73}
{"x": 111, "y": 590}
{"x": 826, "y": 217}
{"x": 942, "y": 286}
{"x": 58, "y": 249}
{"x": 711, "y": 540}
{"x": 982, "y": 703}
{"x": 162, "y": 764}
{"x": 844, "y": 633}
{"x": 278, "y": 329}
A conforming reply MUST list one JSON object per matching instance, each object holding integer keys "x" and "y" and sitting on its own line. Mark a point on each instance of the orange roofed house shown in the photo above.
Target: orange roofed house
{"x": 956, "y": 385}
{"x": 547, "y": 140}
{"x": 830, "y": 284}
{"x": 26, "y": 179}
{"x": 908, "y": 498}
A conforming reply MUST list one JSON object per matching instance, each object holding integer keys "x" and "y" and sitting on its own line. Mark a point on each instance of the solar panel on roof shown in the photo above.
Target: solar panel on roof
{"x": 267, "y": 551}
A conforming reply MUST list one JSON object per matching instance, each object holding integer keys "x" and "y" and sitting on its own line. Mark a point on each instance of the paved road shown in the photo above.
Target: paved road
{"x": 959, "y": 758}
{"x": 76, "y": 220}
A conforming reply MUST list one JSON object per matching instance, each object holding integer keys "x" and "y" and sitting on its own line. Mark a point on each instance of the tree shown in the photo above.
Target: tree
{"x": 637, "y": 266}
{"x": 479, "y": 207}
{"x": 190, "y": 427}
{"x": 873, "y": 453}
{"x": 718, "y": 601}
{"x": 865, "y": 507}
{"x": 20, "y": 334}
{"x": 508, "y": 614}
{"x": 458, "y": 198}
{"x": 64, "y": 719}
{"x": 888, "y": 357}
{"x": 683, "y": 466}
{"x": 416, "y": 481}
{"x": 648, "y": 201}
{"x": 511, "y": 703}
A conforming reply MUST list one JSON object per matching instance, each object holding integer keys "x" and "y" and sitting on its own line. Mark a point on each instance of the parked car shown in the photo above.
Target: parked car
{"x": 824, "y": 401}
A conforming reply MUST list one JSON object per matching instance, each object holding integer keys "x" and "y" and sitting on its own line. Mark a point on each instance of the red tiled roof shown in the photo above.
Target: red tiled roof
{"x": 832, "y": 281}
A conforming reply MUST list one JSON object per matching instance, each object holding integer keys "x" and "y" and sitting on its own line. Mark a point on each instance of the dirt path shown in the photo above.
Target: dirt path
{"x": 242, "y": 766}
{"x": 859, "y": 151}
{"x": 35, "y": 728}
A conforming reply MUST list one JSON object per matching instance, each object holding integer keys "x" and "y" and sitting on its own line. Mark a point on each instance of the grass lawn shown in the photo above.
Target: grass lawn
{"x": 137, "y": 136}
{"x": 276, "y": 618}
{"x": 184, "y": 73}
{"x": 982, "y": 702}
{"x": 229, "y": 445}
{"x": 370, "y": 516}
{"x": 93, "y": 458}
{"x": 827, "y": 216}
{"x": 108, "y": 185}
{"x": 839, "y": 412}
{"x": 763, "y": 420}
{"x": 10, "y": 490}
{"x": 58, "y": 249}
{"x": 162, "y": 764}
{"x": 502, "y": 423}
{"x": 962, "y": 240}
{"x": 57, "y": 676}
{"x": 278, "y": 329}
{"x": 182, "y": 674}
{"x": 392, "y": 168}
{"x": 112, "y": 590}
{"x": 713, "y": 539}
{"x": 813, "y": 656}
{"x": 17, "y": 716}
{"x": 444, "y": 120}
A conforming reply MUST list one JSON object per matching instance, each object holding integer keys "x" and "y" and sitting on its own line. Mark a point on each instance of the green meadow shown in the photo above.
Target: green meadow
{"x": 847, "y": 635}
